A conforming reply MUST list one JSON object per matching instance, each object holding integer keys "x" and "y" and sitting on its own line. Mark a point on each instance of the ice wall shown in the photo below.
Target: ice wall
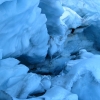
{"x": 90, "y": 12}
{"x": 53, "y": 10}
{"x": 57, "y": 30}
{"x": 18, "y": 84}
{"x": 23, "y": 30}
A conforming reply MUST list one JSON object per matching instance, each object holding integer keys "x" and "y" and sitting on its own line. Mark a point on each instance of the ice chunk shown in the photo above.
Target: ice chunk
{"x": 71, "y": 18}
{"x": 46, "y": 82}
{"x": 91, "y": 64}
{"x": 5, "y": 96}
{"x": 0, "y": 53}
{"x": 23, "y": 30}
{"x": 25, "y": 86}
{"x": 55, "y": 93}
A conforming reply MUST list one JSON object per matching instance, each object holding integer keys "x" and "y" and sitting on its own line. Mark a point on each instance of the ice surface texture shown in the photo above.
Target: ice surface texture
{"x": 17, "y": 84}
{"x": 90, "y": 12}
{"x": 23, "y": 29}
{"x": 53, "y": 11}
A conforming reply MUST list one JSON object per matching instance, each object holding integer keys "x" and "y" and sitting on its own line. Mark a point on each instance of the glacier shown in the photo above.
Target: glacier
{"x": 24, "y": 37}
{"x": 49, "y": 50}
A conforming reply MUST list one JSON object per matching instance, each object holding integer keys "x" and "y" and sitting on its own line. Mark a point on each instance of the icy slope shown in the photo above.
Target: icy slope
{"x": 26, "y": 29}
{"x": 23, "y": 29}
{"x": 79, "y": 80}
{"x": 56, "y": 29}
{"x": 53, "y": 10}
{"x": 18, "y": 84}
{"x": 90, "y": 12}
{"x": 81, "y": 76}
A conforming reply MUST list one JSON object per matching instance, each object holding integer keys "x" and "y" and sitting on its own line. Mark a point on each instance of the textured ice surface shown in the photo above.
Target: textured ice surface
{"x": 71, "y": 18}
{"x": 18, "y": 84}
{"x": 23, "y": 29}
{"x": 56, "y": 29}
{"x": 53, "y": 10}
{"x": 89, "y": 11}
{"x": 83, "y": 7}
{"x": 81, "y": 76}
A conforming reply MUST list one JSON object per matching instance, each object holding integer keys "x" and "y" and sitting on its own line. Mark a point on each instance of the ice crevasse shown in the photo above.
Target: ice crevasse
{"x": 26, "y": 29}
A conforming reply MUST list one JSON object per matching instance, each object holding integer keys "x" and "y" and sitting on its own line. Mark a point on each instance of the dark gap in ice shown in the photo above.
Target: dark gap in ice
{"x": 23, "y": 60}
{"x": 72, "y": 31}
{"x": 37, "y": 94}
{"x": 34, "y": 67}
{"x": 51, "y": 66}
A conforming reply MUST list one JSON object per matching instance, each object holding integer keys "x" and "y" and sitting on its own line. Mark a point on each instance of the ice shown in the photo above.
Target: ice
{"x": 20, "y": 30}
{"x": 81, "y": 76}
{"x": 72, "y": 97}
{"x": 86, "y": 88}
{"x": 71, "y": 18}
{"x": 25, "y": 86}
{"x": 46, "y": 82}
{"x": 53, "y": 47}
{"x": 59, "y": 93}
{"x": 56, "y": 29}
{"x": 5, "y": 96}
{"x": 9, "y": 62}
{"x": 17, "y": 82}
{"x": 84, "y": 7}
{"x": 55, "y": 93}
{"x": 55, "y": 36}
{"x": 57, "y": 88}
{"x": 89, "y": 11}
{"x": 27, "y": 99}
{"x": 84, "y": 54}
{"x": 53, "y": 10}
{"x": 84, "y": 77}
{"x": 0, "y": 53}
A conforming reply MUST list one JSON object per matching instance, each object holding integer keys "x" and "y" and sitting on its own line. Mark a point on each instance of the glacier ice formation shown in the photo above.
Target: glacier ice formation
{"x": 20, "y": 26}
{"x": 59, "y": 40}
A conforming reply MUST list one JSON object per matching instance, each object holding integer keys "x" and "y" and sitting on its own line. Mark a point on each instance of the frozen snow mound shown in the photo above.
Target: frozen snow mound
{"x": 22, "y": 29}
